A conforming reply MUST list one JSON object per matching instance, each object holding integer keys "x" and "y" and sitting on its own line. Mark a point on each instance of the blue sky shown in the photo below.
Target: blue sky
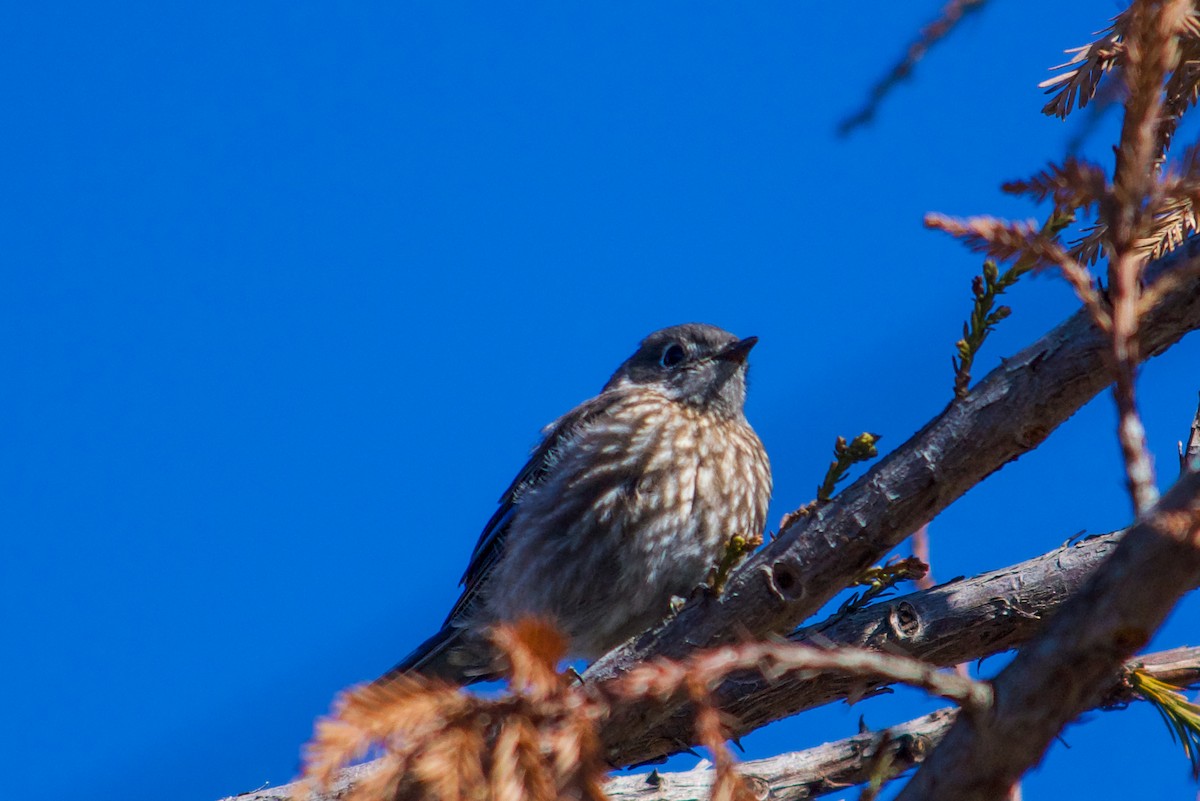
{"x": 291, "y": 288}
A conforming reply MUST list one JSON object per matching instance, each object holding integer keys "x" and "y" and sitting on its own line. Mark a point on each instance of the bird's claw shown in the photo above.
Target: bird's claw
{"x": 677, "y": 602}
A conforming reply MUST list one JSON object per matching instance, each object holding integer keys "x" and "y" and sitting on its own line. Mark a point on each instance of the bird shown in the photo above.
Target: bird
{"x": 625, "y": 505}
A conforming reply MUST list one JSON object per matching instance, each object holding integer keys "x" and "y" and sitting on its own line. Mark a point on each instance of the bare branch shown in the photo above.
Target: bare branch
{"x": 835, "y": 766}
{"x": 1151, "y": 54}
{"x": 1067, "y": 667}
{"x": 811, "y": 773}
{"x": 952, "y": 14}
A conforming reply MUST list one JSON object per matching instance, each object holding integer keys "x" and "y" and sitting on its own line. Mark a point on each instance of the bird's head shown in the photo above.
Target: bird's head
{"x": 696, "y": 364}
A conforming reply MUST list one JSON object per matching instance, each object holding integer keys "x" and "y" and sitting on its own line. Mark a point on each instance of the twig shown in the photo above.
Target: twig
{"x": 845, "y": 455}
{"x": 662, "y": 679}
{"x": 920, "y": 549}
{"x": 1151, "y": 54}
{"x": 985, "y": 315}
{"x": 1005, "y": 239}
{"x": 952, "y": 13}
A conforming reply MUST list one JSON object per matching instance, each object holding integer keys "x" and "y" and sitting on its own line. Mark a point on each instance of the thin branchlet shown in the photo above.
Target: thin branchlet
{"x": 845, "y": 455}
{"x": 951, "y": 14}
{"x": 985, "y": 315}
{"x": 1151, "y": 55}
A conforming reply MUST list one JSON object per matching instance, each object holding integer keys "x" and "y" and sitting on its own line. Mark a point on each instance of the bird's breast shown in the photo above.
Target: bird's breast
{"x": 701, "y": 479}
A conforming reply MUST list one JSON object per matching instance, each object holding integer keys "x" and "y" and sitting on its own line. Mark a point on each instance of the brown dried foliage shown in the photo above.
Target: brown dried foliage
{"x": 536, "y": 742}
{"x": 1088, "y": 64}
{"x": 539, "y": 741}
{"x": 1074, "y": 184}
{"x": 1155, "y": 46}
{"x": 1139, "y": 213}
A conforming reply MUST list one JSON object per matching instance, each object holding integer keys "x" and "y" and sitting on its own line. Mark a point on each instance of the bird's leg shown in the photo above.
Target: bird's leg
{"x": 676, "y": 603}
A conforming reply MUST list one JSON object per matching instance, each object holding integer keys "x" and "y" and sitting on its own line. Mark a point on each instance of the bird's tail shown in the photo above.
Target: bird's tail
{"x": 450, "y": 655}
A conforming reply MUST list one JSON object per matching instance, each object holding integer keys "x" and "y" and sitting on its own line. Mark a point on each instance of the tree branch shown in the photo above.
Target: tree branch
{"x": 1067, "y": 668}
{"x": 803, "y": 774}
{"x": 1009, "y": 413}
{"x": 837, "y": 765}
{"x": 957, "y": 622}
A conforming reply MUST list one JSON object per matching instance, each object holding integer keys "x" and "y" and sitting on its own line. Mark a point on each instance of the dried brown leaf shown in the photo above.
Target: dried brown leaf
{"x": 1003, "y": 240}
{"x": 450, "y": 767}
{"x": 1074, "y": 184}
{"x": 1088, "y": 64}
{"x": 519, "y": 773}
{"x": 533, "y": 647}
{"x": 1088, "y": 248}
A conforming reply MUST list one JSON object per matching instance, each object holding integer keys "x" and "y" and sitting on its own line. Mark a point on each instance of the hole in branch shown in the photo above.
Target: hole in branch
{"x": 786, "y": 581}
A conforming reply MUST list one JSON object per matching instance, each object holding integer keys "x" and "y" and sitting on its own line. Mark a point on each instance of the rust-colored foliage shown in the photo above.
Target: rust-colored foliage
{"x": 539, "y": 741}
{"x": 1155, "y": 47}
{"x": 1145, "y": 209}
{"x": 536, "y": 742}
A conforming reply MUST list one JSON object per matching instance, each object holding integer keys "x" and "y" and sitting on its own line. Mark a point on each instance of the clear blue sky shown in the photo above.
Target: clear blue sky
{"x": 290, "y": 288}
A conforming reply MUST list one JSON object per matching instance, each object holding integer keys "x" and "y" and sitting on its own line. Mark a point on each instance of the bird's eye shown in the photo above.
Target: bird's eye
{"x": 672, "y": 355}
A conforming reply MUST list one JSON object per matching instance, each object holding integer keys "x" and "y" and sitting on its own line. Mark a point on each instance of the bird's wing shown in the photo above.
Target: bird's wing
{"x": 491, "y": 542}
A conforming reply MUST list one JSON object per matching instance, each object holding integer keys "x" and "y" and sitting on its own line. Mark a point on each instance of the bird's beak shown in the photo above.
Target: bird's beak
{"x": 737, "y": 352}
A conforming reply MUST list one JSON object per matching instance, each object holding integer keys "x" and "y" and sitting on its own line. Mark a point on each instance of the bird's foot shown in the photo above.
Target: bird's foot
{"x": 676, "y": 603}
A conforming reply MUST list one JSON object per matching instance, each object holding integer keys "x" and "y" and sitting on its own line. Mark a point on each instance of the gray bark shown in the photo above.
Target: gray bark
{"x": 960, "y": 621}
{"x": 834, "y": 766}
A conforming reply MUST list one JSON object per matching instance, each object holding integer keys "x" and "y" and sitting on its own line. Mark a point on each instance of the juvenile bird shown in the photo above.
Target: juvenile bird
{"x": 628, "y": 501}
